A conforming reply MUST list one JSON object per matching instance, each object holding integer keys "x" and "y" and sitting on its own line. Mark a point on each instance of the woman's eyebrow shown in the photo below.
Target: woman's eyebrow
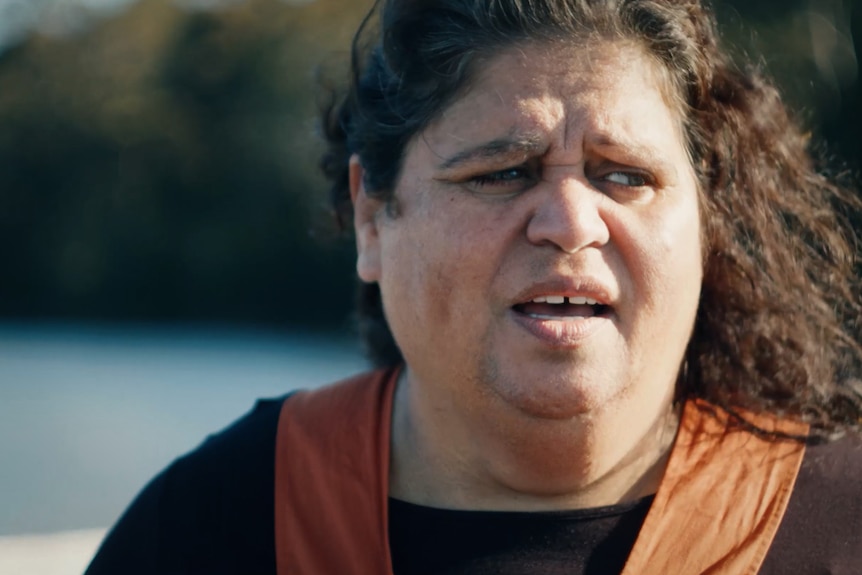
{"x": 632, "y": 150}
{"x": 508, "y": 146}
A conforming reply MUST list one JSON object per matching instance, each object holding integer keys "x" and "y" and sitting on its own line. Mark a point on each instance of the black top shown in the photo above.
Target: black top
{"x": 211, "y": 512}
{"x": 429, "y": 541}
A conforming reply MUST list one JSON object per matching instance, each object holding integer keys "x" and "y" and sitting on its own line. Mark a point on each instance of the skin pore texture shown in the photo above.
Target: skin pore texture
{"x": 560, "y": 173}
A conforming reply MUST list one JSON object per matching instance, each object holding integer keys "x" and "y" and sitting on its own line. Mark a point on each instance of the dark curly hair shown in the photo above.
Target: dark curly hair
{"x": 777, "y": 328}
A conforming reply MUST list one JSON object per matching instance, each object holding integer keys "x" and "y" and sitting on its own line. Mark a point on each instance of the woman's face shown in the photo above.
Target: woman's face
{"x": 544, "y": 252}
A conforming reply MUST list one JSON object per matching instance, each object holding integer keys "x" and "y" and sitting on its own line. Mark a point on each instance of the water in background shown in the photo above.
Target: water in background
{"x": 88, "y": 414}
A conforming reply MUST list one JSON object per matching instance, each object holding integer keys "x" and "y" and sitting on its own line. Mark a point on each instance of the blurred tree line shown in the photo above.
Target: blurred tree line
{"x": 162, "y": 164}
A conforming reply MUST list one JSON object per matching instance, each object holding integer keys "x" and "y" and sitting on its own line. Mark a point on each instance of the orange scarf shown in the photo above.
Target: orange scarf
{"x": 716, "y": 511}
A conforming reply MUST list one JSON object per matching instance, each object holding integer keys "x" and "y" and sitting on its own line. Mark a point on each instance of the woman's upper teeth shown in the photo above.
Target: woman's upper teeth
{"x": 558, "y": 299}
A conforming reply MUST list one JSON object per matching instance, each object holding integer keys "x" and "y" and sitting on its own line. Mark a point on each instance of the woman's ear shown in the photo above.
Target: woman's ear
{"x": 366, "y": 211}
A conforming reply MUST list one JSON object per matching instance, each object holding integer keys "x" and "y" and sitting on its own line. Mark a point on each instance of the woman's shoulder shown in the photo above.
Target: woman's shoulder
{"x": 830, "y": 458}
{"x": 830, "y": 482}
{"x": 210, "y": 511}
{"x": 249, "y": 438}
{"x": 239, "y": 454}
{"x": 822, "y": 527}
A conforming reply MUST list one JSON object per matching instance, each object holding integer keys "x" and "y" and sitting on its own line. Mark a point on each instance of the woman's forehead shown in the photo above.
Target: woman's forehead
{"x": 530, "y": 91}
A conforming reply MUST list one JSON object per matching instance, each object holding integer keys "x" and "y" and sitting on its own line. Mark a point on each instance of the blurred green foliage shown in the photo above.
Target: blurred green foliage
{"x": 162, "y": 165}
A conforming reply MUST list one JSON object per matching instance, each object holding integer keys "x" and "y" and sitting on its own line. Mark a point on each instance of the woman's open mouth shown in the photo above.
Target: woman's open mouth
{"x": 557, "y": 307}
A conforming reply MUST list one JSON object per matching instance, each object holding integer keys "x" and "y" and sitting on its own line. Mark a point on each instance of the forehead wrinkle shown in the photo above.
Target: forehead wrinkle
{"x": 552, "y": 116}
{"x": 604, "y": 129}
{"x": 515, "y": 143}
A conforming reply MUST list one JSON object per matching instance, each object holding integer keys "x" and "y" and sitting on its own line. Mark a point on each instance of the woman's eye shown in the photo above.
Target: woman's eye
{"x": 629, "y": 179}
{"x": 502, "y": 177}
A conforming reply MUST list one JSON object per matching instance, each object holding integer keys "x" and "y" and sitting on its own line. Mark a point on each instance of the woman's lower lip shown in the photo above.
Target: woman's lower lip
{"x": 560, "y": 331}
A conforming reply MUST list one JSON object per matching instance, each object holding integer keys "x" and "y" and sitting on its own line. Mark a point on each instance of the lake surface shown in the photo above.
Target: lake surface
{"x": 88, "y": 414}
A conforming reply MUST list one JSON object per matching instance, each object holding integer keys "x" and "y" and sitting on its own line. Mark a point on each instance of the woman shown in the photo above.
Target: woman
{"x": 614, "y": 308}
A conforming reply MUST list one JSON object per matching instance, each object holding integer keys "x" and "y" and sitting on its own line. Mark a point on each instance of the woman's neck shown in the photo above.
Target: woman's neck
{"x": 511, "y": 462}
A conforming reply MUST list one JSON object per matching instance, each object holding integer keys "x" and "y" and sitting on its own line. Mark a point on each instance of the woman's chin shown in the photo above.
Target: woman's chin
{"x": 555, "y": 398}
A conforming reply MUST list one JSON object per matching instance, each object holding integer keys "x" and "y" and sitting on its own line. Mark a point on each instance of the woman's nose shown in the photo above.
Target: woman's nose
{"x": 568, "y": 215}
